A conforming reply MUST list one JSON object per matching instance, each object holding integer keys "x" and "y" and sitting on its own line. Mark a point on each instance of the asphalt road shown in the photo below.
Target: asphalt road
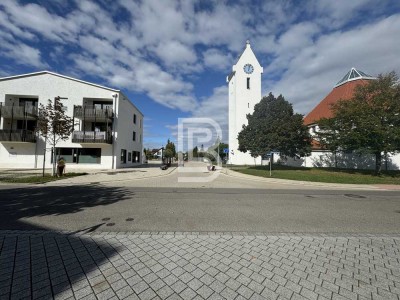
{"x": 107, "y": 208}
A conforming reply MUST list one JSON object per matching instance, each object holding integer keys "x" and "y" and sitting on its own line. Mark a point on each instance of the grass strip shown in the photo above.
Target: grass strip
{"x": 329, "y": 175}
{"x": 38, "y": 178}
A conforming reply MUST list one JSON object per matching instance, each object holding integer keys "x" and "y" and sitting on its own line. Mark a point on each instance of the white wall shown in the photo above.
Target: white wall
{"x": 344, "y": 160}
{"x": 125, "y": 128}
{"x": 242, "y": 102}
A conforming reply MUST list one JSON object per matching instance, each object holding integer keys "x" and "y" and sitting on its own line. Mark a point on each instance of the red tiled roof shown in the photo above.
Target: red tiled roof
{"x": 323, "y": 109}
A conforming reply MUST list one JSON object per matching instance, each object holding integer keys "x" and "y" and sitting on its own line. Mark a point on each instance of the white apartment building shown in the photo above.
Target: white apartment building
{"x": 108, "y": 130}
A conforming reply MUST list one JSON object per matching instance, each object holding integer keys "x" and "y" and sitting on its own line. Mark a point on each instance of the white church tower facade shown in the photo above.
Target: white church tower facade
{"x": 244, "y": 93}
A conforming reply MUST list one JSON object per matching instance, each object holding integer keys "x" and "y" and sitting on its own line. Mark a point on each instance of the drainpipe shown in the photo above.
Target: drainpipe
{"x": 115, "y": 96}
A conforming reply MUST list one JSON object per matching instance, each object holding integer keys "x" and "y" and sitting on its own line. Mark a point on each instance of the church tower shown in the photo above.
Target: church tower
{"x": 244, "y": 92}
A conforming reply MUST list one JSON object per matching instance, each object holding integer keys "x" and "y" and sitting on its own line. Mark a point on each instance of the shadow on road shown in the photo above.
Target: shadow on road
{"x": 17, "y": 203}
{"x": 37, "y": 262}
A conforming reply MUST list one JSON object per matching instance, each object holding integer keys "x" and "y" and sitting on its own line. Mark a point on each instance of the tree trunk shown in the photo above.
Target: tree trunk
{"x": 378, "y": 163}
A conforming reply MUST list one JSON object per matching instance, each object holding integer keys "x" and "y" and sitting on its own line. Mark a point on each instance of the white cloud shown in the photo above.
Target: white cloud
{"x": 172, "y": 52}
{"x": 290, "y": 43}
{"x": 318, "y": 67}
{"x": 214, "y": 106}
{"x": 22, "y": 54}
{"x": 33, "y": 17}
{"x": 217, "y": 59}
{"x": 6, "y": 22}
{"x": 334, "y": 14}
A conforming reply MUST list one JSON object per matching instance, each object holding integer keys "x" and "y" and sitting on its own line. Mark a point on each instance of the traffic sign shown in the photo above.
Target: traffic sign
{"x": 226, "y": 150}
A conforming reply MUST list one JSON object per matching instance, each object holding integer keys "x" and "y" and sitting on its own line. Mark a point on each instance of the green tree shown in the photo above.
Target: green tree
{"x": 195, "y": 152}
{"x": 367, "y": 123}
{"x": 170, "y": 151}
{"x": 221, "y": 150}
{"x": 221, "y": 153}
{"x": 54, "y": 125}
{"x": 274, "y": 127}
{"x": 148, "y": 153}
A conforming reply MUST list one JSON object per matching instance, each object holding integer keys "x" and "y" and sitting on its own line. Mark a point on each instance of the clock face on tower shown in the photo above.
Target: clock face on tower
{"x": 248, "y": 68}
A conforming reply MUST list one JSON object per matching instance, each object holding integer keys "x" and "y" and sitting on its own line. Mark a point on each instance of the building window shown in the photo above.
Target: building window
{"x": 102, "y": 104}
{"x": 248, "y": 83}
{"x": 129, "y": 156}
{"x": 80, "y": 155}
{"x": 123, "y": 156}
{"x": 134, "y": 118}
{"x": 134, "y": 136}
{"x": 135, "y": 156}
{"x": 28, "y": 124}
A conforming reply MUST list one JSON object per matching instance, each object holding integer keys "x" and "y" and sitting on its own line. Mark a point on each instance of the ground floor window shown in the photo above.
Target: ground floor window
{"x": 80, "y": 155}
{"x": 123, "y": 156}
{"x": 135, "y": 156}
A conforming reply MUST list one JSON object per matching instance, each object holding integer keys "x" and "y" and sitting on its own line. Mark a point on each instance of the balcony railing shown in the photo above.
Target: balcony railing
{"x": 18, "y": 112}
{"x": 17, "y": 135}
{"x": 88, "y": 113}
{"x": 97, "y": 137}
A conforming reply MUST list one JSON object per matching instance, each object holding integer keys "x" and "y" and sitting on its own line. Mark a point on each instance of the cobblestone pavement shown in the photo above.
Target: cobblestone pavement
{"x": 192, "y": 265}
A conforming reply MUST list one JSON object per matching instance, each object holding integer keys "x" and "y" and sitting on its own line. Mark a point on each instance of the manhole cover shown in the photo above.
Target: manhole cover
{"x": 110, "y": 224}
{"x": 129, "y": 219}
{"x": 105, "y": 219}
{"x": 354, "y": 196}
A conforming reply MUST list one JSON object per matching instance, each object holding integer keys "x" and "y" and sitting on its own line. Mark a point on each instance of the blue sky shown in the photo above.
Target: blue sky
{"x": 172, "y": 57}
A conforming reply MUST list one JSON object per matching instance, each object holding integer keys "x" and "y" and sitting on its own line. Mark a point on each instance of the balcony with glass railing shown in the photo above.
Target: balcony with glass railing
{"x": 29, "y": 112}
{"x": 91, "y": 114}
{"x": 17, "y": 135}
{"x": 93, "y": 137}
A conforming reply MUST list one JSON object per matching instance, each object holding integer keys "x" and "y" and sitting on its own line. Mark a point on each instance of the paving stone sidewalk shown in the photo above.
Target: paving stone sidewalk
{"x": 166, "y": 265}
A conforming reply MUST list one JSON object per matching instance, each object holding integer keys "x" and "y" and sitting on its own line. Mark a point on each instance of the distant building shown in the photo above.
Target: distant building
{"x": 108, "y": 131}
{"x": 157, "y": 153}
{"x": 244, "y": 84}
